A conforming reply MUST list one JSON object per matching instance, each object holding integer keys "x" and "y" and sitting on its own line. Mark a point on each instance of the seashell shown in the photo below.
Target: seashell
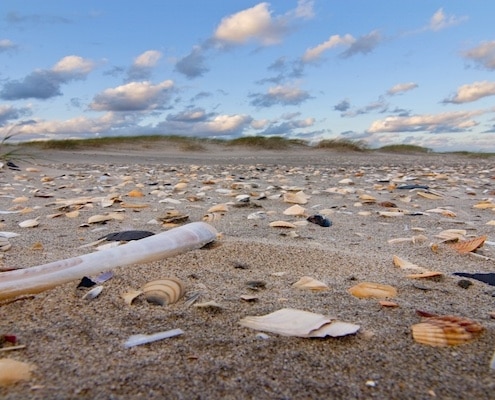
{"x": 491, "y": 222}
{"x": 404, "y": 264}
{"x": 308, "y": 283}
{"x": 282, "y": 224}
{"x": 218, "y": 208}
{"x": 135, "y": 193}
{"x": 452, "y": 234}
{"x": 72, "y": 214}
{"x": 483, "y": 205}
{"x": 468, "y": 246}
{"x": 99, "y": 218}
{"x": 443, "y": 211}
{"x": 180, "y": 187}
{"x": 93, "y": 293}
{"x": 164, "y": 291}
{"x": 346, "y": 181}
{"x": 212, "y": 217}
{"x": 131, "y": 295}
{"x": 446, "y": 330}
{"x": 389, "y": 304}
{"x": 292, "y": 322}
{"x": 257, "y": 215}
{"x": 248, "y": 297}
{"x": 4, "y": 244}
{"x": 425, "y": 274}
{"x": 21, "y": 199}
{"x": 209, "y": 304}
{"x": 136, "y": 340}
{"x": 134, "y": 205}
{"x": 30, "y": 223}
{"x": 319, "y": 220}
{"x": 12, "y": 371}
{"x": 370, "y": 290}
{"x": 387, "y": 204}
{"x": 296, "y": 210}
{"x": 296, "y": 198}
{"x": 390, "y": 214}
{"x": 430, "y": 196}
{"x": 367, "y": 199}
{"x": 174, "y": 217}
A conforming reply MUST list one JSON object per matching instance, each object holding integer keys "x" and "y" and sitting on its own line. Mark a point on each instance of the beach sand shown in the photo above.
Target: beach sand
{"x": 77, "y": 345}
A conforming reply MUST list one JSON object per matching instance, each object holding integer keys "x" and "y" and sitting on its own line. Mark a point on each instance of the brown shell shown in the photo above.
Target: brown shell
{"x": 164, "y": 291}
{"x": 370, "y": 290}
{"x": 467, "y": 246}
{"x": 446, "y": 330}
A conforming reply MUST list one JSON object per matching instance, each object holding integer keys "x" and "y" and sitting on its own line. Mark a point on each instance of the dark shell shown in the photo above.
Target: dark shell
{"x": 320, "y": 220}
{"x": 126, "y": 236}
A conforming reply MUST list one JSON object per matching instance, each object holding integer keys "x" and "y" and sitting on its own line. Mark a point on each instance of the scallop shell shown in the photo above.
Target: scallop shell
{"x": 29, "y": 223}
{"x": 282, "y": 224}
{"x": 295, "y": 210}
{"x": 296, "y": 198}
{"x": 308, "y": 283}
{"x": 444, "y": 331}
{"x": 370, "y": 290}
{"x": 164, "y": 291}
{"x": 292, "y": 322}
{"x": 468, "y": 246}
{"x": 218, "y": 208}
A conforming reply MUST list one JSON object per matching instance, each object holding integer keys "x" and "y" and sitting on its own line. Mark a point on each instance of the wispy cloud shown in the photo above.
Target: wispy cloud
{"x": 483, "y": 54}
{"x": 472, "y": 92}
{"x": 18, "y": 19}
{"x": 364, "y": 44}
{"x": 6, "y": 45}
{"x": 281, "y": 95}
{"x": 46, "y": 83}
{"x": 134, "y": 96}
{"x": 314, "y": 53}
{"x": 9, "y": 112}
{"x": 401, "y": 88}
{"x": 455, "y": 121}
{"x": 194, "y": 64}
{"x": 440, "y": 20}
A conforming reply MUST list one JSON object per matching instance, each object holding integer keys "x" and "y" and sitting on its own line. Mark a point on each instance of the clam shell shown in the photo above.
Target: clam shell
{"x": 29, "y": 223}
{"x": 296, "y": 198}
{"x": 292, "y": 322}
{"x": 468, "y": 246}
{"x": 164, "y": 291}
{"x": 308, "y": 283}
{"x": 135, "y": 193}
{"x": 446, "y": 330}
{"x": 218, "y": 208}
{"x": 295, "y": 210}
{"x": 12, "y": 371}
{"x": 370, "y": 290}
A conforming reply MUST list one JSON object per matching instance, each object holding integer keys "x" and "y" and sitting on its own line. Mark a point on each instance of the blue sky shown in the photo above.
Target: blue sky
{"x": 386, "y": 72}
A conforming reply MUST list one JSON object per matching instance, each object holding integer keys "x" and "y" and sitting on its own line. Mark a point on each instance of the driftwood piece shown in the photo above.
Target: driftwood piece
{"x": 166, "y": 244}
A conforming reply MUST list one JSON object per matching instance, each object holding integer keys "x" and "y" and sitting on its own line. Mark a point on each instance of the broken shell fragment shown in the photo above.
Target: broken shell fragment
{"x": 93, "y": 293}
{"x": 12, "y": 371}
{"x": 296, "y": 198}
{"x": 296, "y": 210}
{"x": 218, "y": 208}
{"x": 164, "y": 291}
{"x": 468, "y": 246}
{"x": 4, "y": 244}
{"x": 308, "y": 283}
{"x": 370, "y": 290}
{"x": 292, "y": 322}
{"x": 131, "y": 295}
{"x": 446, "y": 330}
{"x": 29, "y": 223}
{"x": 136, "y": 340}
{"x": 282, "y": 224}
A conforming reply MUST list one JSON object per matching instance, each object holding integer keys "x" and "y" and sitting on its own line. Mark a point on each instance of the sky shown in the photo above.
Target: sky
{"x": 380, "y": 71}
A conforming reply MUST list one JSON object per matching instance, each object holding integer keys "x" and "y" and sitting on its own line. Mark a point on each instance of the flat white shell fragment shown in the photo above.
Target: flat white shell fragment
{"x": 136, "y": 340}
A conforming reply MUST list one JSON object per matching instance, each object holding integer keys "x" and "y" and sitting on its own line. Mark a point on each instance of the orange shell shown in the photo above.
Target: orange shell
{"x": 467, "y": 246}
{"x": 370, "y": 290}
{"x": 446, "y": 330}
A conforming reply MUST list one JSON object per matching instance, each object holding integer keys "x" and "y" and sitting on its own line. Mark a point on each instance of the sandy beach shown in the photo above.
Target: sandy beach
{"x": 77, "y": 345}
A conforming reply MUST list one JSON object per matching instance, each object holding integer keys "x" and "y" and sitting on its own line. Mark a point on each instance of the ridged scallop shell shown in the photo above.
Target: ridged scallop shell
{"x": 282, "y": 224}
{"x": 164, "y": 291}
{"x": 446, "y": 330}
{"x": 370, "y": 290}
{"x": 468, "y": 246}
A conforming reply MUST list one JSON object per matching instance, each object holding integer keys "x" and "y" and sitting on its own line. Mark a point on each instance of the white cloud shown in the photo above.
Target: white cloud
{"x": 73, "y": 65}
{"x": 259, "y": 123}
{"x": 444, "y": 122}
{"x": 280, "y": 94}
{"x": 222, "y": 124}
{"x": 441, "y": 21}
{"x": 6, "y": 44}
{"x": 401, "y": 88}
{"x": 314, "y": 53}
{"x": 483, "y": 54}
{"x": 134, "y": 96}
{"x": 472, "y": 92}
{"x": 147, "y": 59}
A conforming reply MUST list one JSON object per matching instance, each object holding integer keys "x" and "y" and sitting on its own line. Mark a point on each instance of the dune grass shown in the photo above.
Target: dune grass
{"x": 342, "y": 145}
{"x": 404, "y": 149}
{"x": 266, "y": 143}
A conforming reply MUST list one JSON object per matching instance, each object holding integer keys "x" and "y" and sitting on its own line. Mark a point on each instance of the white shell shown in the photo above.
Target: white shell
{"x": 136, "y": 340}
{"x": 93, "y": 293}
{"x": 292, "y": 322}
{"x": 29, "y": 223}
{"x": 308, "y": 283}
{"x": 296, "y": 198}
{"x": 295, "y": 210}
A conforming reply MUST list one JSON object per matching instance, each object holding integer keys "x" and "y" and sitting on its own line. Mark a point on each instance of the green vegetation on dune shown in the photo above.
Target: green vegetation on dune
{"x": 267, "y": 143}
{"x": 342, "y": 145}
{"x": 404, "y": 148}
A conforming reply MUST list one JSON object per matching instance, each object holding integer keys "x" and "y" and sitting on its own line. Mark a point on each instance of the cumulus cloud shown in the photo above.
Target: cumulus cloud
{"x": 472, "y": 92}
{"x": 143, "y": 65}
{"x": 258, "y": 24}
{"x": 456, "y": 121}
{"x": 6, "y": 45}
{"x": 483, "y": 54}
{"x": 44, "y": 84}
{"x": 193, "y": 65}
{"x": 134, "y": 96}
{"x": 401, "y": 88}
{"x": 206, "y": 125}
{"x": 440, "y": 20}
{"x": 344, "y": 105}
{"x": 314, "y": 53}
{"x": 283, "y": 95}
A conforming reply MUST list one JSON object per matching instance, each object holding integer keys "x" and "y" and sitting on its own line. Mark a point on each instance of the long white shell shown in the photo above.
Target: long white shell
{"x": 166, "y": 244}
